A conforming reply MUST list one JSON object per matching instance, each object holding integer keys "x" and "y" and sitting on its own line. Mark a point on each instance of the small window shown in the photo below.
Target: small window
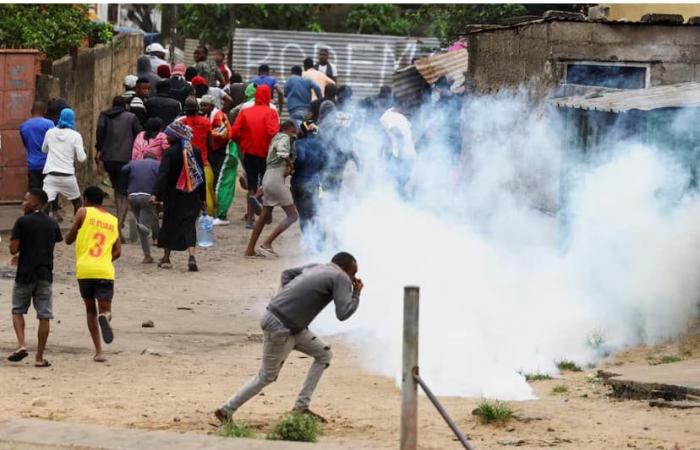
{"x": 607, "y": 75}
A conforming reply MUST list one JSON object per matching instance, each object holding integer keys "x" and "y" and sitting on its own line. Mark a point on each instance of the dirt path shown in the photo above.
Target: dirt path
{"x": 205, "y": 344}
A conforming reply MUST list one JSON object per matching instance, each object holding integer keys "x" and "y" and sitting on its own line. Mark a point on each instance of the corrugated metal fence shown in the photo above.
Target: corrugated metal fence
{"x": 364, "y": 62}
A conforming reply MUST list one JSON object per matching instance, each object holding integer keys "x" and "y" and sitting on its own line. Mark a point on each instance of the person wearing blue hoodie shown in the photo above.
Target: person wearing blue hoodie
{"x": 32, "y": 132}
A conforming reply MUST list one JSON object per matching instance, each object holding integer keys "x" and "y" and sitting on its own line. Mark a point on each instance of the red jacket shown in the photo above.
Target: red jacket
{"x": 255, "y": 126}
{"x": 201, "y": 130}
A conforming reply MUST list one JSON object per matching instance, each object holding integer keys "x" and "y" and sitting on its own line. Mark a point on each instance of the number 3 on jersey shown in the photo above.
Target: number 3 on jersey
{"x": 98, "y": 247}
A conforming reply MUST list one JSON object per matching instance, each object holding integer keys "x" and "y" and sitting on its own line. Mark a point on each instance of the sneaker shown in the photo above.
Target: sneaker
{"x": 308, "y": 412}
{"x": 220, "y": 222}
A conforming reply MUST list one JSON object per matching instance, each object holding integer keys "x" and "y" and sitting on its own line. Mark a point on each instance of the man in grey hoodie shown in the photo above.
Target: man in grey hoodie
{"x": 304, "y": 294}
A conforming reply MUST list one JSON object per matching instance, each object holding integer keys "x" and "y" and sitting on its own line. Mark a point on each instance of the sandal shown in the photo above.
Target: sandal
{"x": 268, "y": 252}
{"x": 18, "y": 355}
{"x": 165, "y": 265}
{"x": 192, "y": 265}
{"x": 107, "y": 334}
{"x": 43, "y": 363}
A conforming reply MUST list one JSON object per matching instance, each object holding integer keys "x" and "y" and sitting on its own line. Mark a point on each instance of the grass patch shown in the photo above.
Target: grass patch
{"x": 536, "y": 376}
{"x": 295, "y": 427}
{"x": 567, "y": 364}
{"x": 235, "y": 430}
{"x": 560, "y": 389}
{"x": 665, "y": 359}
{"x": 493, "y": 412}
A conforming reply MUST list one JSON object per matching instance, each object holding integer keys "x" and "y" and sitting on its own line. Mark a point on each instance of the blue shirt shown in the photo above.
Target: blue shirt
{"x": 310, "y": 159}
{"x": 266, "y": 79}
{"x": 32, "y": 132}
{"x": 297, "y": 91}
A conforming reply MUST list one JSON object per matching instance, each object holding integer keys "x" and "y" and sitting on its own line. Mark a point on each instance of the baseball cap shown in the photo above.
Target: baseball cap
{"x": 207, "y": 100}
{"x": 179, "y": 69}
{"x": 155, "y": 47}
{"x": 199, "y": 80}
{"x": 130, "y": 81}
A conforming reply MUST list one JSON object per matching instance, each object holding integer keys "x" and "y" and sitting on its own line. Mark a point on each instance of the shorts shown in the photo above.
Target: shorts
{"x": 254, "y": 169}
{"x": 92, "y": 289}
{"x": 114, "y": 171}
{"x": 67, "y": 186}
{"x": 40, "y": 292}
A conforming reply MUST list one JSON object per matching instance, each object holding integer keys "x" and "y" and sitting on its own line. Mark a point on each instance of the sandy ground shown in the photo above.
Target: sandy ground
{"x": 205, "y": 344}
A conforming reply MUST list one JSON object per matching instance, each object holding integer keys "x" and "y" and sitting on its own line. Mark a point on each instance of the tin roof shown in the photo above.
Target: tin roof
{"x": 450, "y": 64}
{"x": 683, "y": 95}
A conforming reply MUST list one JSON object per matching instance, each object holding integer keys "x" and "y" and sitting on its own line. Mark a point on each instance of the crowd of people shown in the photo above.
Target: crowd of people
{"x": 170, "y": 145}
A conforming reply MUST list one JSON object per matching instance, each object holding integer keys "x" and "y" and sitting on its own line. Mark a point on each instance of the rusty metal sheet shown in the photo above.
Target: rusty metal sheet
{"x": 451, "y": 64}
{"x": 18, "y": 70}
{"x": 408, "y": 85}
{"x": 682, "y": 95}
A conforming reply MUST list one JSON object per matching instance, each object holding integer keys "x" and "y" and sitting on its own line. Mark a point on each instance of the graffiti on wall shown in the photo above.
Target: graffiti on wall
{"x": 363, "y": 63}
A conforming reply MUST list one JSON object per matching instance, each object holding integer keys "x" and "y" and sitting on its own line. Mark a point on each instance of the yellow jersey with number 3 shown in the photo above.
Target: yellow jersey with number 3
{"x": 93, "y": 246}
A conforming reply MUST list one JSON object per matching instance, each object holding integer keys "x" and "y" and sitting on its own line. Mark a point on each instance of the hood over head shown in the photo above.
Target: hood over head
{"x": 143, "y": 65}
{"x": 263, "y": 95}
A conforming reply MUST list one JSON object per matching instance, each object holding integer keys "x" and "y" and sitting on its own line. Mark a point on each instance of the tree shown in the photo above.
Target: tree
{"x": 140, "y": 14}
{"x": 210, "y": 22}
{"x": 447, "y": 21}
{"x": 378, "y": 18}
{"x": 52, "y": 28}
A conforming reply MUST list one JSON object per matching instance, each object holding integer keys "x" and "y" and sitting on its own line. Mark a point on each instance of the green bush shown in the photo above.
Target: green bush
{"x": 566, "y": 364}
{"x": 52, "y": 28}
{"x": 560, "y": 389}
{"x": 295, "y": 427}
{"x": 493, "y": 412}
{"x": 236, "y": 430}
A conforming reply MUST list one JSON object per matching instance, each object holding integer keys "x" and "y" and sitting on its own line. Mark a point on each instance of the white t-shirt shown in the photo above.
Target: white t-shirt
{"x": 392, "y": 119}
{"x": 324, "y": 69}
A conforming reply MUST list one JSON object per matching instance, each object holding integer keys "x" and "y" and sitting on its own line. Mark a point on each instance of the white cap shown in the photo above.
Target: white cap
{"x": 155, "y": 47}
{"x": 130, "y": 81}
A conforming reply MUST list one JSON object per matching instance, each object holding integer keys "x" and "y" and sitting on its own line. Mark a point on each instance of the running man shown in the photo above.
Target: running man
{"x": 96, "y": 234}
{"x": 305, "y": 292}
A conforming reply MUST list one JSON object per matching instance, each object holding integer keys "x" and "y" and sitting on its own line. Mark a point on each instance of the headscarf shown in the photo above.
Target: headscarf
{"x": 67, "y": 119}
{"x": 191, "y": 176}
{"x": 250, "y": 91}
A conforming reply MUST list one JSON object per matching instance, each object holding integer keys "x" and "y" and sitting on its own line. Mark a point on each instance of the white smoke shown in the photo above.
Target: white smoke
{"x": 524, "y": 254}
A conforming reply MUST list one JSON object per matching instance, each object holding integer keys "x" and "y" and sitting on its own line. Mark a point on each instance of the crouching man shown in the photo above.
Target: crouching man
{"x": 305, "y": 292}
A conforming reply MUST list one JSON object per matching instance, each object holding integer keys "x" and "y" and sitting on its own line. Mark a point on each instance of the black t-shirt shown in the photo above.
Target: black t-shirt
{"x": 37, "y": 234}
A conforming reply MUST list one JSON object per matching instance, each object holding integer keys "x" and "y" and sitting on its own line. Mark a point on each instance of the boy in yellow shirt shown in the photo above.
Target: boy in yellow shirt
{"x": 96, "y": 234}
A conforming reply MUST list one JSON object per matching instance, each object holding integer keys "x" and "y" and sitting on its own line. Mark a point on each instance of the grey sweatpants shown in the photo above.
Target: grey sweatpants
{"x": 278, "y": 342}
{"x": 146, "y": 218}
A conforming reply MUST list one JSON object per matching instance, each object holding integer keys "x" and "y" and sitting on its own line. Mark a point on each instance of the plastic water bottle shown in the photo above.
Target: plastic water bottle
{"x": 205, "y": 231}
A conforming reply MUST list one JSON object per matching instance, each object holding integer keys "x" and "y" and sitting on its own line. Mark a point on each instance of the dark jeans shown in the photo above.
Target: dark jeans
{"x": 305, "y": 197}
{"x": 36, "y": 179}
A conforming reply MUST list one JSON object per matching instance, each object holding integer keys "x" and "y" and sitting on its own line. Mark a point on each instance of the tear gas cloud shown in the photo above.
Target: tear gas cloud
{"x": 524, "y": 255}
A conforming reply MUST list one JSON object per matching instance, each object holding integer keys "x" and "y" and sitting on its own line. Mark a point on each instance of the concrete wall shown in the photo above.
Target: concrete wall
{"x": 536, "y": 54}
{"x": 89, "y": 80}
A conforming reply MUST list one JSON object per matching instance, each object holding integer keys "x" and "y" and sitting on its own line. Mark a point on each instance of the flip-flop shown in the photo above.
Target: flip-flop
{"x": 18, "y": 355}
{"x": 44, "y": 363}
{"x": 107, "y": 334}
{"x": 268, "y": 252}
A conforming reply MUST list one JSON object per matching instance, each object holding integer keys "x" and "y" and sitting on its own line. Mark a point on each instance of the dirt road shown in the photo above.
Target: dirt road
{"x": 206, "y": 343}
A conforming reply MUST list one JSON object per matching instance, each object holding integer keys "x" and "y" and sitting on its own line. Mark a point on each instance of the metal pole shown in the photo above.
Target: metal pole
{"x": 453, "y": 426}
{"x": 409, "y": 388}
